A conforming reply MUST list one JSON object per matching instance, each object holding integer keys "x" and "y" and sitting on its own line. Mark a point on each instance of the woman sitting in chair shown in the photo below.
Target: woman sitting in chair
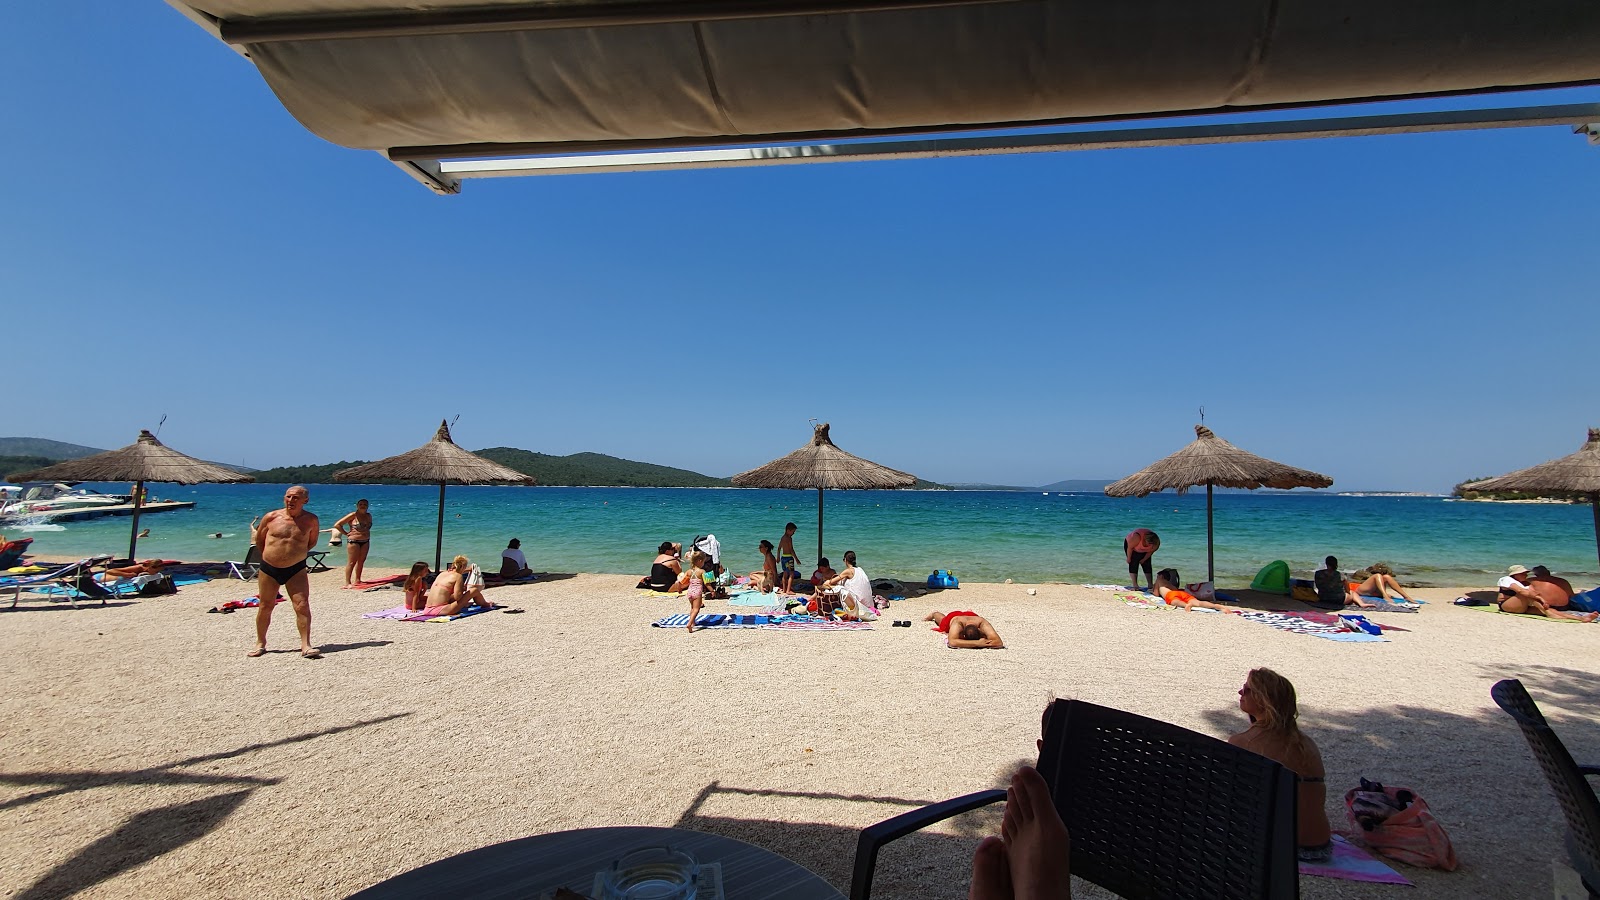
{"x": 1269, "y": 700}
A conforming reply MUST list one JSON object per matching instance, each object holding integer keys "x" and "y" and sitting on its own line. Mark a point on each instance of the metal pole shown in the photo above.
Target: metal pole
{"x": 138, "y": 503}
{"x": 820, "y": 526}
{"x": 1211, "y": 556}
{"x": 438, "y": 541}
{"x": 1594, "y": 500}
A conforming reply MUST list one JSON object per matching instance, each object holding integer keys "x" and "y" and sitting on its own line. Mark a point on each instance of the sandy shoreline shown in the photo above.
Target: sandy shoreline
{"x": 147, "y": 757}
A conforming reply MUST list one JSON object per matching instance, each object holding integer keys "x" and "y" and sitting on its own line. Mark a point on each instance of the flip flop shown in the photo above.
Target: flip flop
{"x": 314, "y": 654}
{"x": 259, "y": 651}
{"x": 513, "y": 611}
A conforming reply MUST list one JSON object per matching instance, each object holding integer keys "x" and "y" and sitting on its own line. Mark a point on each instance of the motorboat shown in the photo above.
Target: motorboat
{"x": 41, "y": 497}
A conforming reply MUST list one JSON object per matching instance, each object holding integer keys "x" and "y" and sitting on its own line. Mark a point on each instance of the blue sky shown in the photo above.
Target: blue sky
{"x": 1396, "y": 312}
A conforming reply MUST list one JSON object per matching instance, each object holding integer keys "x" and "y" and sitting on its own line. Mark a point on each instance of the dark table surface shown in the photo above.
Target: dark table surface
{"x": 525, "y": 867}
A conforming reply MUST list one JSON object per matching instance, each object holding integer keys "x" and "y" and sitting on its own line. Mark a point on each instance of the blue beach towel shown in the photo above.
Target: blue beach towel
{"x": 713, "y": 620}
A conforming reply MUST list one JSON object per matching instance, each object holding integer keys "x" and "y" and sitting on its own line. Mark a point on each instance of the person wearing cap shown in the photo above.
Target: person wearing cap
{"x": 513, "y": 564}
{"x": 1517, "y": 597}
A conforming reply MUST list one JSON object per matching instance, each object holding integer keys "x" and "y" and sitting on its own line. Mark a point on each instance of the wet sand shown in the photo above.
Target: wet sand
{"x": 146, "y": 756}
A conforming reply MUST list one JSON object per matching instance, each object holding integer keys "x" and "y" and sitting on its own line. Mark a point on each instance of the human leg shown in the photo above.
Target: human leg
{"x": 694, "y": 612}
{"x": 473, "y": 596}
{"x": 349, "y": 561}
{"x": 299, "y": 588}
{"x": 1038, "y": 848}
{"x": 359, "y": 557}
{"x": 1393, "y": 584}
{"x": 933, "y": 616}
{"x": 266, "y": 593}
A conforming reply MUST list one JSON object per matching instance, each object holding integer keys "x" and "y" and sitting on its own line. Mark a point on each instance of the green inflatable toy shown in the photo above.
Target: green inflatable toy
{"x": 1273, "y": 578}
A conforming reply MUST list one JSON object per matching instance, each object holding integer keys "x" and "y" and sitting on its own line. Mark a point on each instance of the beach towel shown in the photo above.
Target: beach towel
{"x": 397, "y": 612}
{"x": 713, "y": 620}
{"x": 751, "y": 598}
{"x": 201, "y": 570}
{"x": 810, "y": 623}
{"x": 1352, "y": 863}
{"x": 1495, "y": 608}
{"x": 1325, "y": 618}
{"x": 469, "y": 611}
{"x": 246, "y": 603}
{"x": 667, "y": 595}
{"x": 1140, "y": 600}
{"x": 375, "y": 583}
{"x": 1294, "y": 623}
{"x": 1387, "y": 605}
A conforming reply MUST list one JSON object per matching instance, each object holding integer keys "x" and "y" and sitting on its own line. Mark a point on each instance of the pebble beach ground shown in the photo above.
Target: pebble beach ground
{"x": 146, "y": 756}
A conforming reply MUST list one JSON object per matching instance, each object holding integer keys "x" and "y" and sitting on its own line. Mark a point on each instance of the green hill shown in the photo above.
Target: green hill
{"x": 9, "y": 464}
{"x": 54, "y": 451}
{"x": 596, "y": 470}
{"x": 577, "y": 470}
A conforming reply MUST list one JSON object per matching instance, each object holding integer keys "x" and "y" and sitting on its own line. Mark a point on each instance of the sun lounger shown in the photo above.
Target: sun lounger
{"x": 245, "y": 569}
{"x": 75, "y": 581}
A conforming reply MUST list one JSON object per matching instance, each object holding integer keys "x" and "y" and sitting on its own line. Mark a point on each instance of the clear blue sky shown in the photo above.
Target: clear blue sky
{"x": 1396, "y": 312}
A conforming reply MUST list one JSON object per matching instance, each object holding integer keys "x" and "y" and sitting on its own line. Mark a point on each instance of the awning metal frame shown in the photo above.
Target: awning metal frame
{"x": 445, "y": 176}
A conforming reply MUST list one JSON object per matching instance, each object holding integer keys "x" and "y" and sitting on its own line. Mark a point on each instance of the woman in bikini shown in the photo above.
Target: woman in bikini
{"x": 356, "y": 528}
{"x": 1269, "y": 700}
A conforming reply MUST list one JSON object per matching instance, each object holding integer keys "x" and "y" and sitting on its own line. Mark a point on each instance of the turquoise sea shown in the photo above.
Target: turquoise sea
{"x": 979, "y": 535}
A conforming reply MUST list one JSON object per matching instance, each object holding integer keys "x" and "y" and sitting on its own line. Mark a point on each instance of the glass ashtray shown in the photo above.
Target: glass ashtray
{"x": 651, "y": 873}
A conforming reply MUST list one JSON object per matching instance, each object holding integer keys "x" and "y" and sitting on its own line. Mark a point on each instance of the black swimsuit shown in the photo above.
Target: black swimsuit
{"x": 282, "y": 574}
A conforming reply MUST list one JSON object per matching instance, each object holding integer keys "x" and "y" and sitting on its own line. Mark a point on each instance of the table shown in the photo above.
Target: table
{"x": 527, "y": 866}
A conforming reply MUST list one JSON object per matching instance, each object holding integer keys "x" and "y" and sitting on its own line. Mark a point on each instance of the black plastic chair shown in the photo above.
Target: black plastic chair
{"x": 1567, "y": 780}
{"x": 1154, "y": 810}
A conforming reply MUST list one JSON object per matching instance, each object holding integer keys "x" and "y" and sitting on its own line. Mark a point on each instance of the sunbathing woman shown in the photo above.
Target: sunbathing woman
{"x": 1380, "y": 582}
{"x": 665, "y": 569}
{"x": 1269, "y": 700}
{"x": 767, "y": 579}
{"x": 1166, "y": 587}
{"x": 417, "y": 586}
{"x": 450, "y": 594}
{"x": 147, "y": 567}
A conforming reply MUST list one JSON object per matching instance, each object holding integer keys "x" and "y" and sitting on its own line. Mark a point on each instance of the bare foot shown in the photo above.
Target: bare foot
{"x": 259, "y": 651}
{"x": 991, "y": 876}
{"x": 1038, "y": 849}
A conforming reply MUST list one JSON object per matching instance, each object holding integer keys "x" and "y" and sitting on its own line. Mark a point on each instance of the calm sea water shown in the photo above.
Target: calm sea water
{"x": 979, "y": 535}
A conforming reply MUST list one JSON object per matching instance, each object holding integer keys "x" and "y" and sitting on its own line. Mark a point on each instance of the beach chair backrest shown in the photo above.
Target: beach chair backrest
{"x": 1125, "y": 784}
{"x": 1567, "y": 778}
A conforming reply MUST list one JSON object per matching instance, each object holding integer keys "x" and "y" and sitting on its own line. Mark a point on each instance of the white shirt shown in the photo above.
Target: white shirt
{"x": 515, "y": 555}
{"x": 1510, "y": 584}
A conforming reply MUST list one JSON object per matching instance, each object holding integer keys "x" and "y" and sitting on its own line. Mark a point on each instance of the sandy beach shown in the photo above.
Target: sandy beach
{"x": 146, "y": 756}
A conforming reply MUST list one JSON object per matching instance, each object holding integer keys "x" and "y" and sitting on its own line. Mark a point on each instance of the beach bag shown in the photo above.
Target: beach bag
{"x": 1410, "y": 834}
{"x": 160, "y": 587}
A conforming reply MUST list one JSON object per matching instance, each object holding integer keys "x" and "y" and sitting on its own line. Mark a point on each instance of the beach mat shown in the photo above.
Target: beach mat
{"x": 753, "y": 598}
{"x": 1326, "y": 618}
{"x": 713, "y": 620}
{"x": 1494, "y": 609}
{"x": 1294, "y": 623}
{"x": 395, "y": 612}
{"x": 470, "y": 611}
{"x": 1352, "y": 863}
{"x": 204, "y": 571}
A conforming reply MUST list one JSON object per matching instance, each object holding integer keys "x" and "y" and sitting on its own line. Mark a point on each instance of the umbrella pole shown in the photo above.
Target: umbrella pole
{"x": 438, "y": 540}
{"x": 138, "y": 503}
{"x": 1211, "y": 557}
{"x": 820, "y": 526}
{"x": 1594, "y": 500}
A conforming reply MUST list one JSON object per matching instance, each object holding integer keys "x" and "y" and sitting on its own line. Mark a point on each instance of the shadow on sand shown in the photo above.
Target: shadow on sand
{"x": 143, "y": 837}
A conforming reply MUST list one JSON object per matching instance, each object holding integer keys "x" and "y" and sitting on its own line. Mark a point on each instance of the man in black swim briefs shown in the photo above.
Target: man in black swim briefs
{"x": 285, "y": 536}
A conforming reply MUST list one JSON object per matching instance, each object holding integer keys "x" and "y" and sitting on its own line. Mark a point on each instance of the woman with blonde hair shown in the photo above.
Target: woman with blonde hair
{"x": 1269, "y": 700}
{"x": 459, "y": 586}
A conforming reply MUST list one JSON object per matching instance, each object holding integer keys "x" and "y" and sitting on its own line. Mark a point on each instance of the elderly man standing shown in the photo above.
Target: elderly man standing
{"x": 285, "y": 536}
{"x": 1516, "y": 596}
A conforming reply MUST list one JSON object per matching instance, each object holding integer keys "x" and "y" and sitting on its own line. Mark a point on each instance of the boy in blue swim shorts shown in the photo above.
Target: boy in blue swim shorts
{"x": 788, "y": 561}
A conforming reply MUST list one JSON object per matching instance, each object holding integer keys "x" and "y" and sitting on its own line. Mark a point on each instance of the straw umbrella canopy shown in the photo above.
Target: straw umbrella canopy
{"x": 1574, "y": 475}
{"x": 1212, "y": 461}
{"x": 146, "y": 459}
{"x": 823, "y": 466}
{"x": 438, "y": 460}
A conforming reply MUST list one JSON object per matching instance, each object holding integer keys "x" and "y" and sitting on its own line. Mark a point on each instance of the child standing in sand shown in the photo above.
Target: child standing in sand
{"x": 788, "y": 560}
{"x": 693, "y": 583}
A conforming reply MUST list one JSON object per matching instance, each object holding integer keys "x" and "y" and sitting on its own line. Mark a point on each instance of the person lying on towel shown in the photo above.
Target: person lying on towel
{"x": 966, "y": 630}
{"x": 1166, "y": 587}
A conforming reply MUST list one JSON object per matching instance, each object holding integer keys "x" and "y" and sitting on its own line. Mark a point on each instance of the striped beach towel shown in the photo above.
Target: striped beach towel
{"x": 712, "y": 620}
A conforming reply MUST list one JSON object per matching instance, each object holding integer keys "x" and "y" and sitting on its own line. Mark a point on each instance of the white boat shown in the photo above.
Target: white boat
{"x": 38, "y": 498}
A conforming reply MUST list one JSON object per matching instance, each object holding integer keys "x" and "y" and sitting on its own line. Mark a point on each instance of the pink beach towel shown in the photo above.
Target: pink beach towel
{"x": 1351, "y": 863}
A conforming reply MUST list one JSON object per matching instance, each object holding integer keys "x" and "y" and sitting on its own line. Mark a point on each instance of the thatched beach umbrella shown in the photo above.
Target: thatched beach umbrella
{"x": 146, "y": 459}
{"x": 1574, "y": 475}
{"x": 823, "y": 466}
{"x": 438, "y": 460}
{"x": 1212, "y": 461}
